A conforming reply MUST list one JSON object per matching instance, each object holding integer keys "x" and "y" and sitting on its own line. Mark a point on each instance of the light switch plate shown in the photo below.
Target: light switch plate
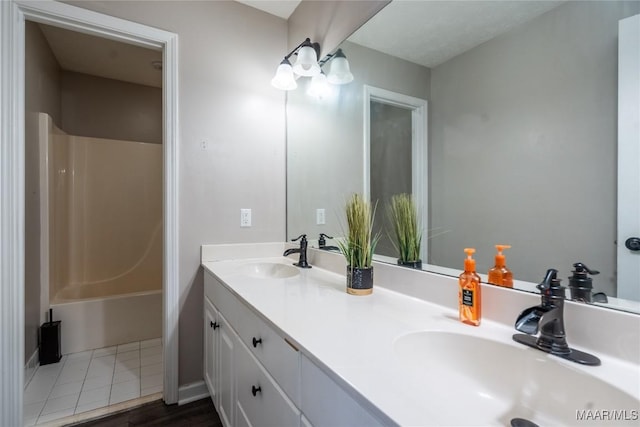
{"x": 320, "y": 217}
{"x": 245, "y": 217}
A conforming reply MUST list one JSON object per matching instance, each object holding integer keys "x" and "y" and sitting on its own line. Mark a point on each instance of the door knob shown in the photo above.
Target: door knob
{"x": 633, "y": 244}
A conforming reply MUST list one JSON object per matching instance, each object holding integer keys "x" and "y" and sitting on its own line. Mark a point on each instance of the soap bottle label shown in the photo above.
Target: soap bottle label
{"x": 467, "y": 297}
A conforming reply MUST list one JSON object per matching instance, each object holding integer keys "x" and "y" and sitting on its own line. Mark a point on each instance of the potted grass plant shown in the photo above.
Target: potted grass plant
{"x": 407, "y": 236}
{"x": 358, "y": 245}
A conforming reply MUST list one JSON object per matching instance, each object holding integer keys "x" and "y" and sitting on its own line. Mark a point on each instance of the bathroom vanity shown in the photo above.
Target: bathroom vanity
{"x": 289, "y": 347}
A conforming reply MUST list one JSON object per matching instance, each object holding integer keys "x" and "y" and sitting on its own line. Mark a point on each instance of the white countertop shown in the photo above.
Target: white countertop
{"x": 352, "y": 338}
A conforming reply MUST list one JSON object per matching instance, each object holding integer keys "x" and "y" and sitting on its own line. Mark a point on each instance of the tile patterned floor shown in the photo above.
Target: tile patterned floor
{"x": 93, "y": 379}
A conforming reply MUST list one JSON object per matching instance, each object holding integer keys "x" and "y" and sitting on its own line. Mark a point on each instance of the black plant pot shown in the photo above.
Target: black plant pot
{"x": 411, "y": 264}
{"x": 359, "y": 280}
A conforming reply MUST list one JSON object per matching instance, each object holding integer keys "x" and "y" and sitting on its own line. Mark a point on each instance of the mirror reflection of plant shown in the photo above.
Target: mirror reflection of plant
{"x": 359, "y": 242}
{"x": 406, "y": 230}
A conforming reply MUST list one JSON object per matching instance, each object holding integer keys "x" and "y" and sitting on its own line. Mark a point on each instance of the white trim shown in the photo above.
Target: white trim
{"x": 30, "y": 367}
{"x": 11, "y": 213}
{"x": 628, "y": 263}
{"x": 43, "y": 154}
{"x": 419, "y": 144}
{"x": 191, "y": 392}
{"x": 12, "y": 55}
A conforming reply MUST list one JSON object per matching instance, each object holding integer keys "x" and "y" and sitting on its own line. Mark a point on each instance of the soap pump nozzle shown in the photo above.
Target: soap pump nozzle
{"x": 469, "y": 262}
{"x": 500, "y": 258}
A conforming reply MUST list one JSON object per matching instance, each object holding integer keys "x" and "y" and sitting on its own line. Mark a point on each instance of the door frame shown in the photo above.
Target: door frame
{"x": 13, "y": 15}
{"x": 419, "y": 151}
{"x": 628, "y": 263}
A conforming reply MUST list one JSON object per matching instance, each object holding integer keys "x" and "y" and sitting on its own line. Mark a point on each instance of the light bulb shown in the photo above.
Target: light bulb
{"x": 307, "y": 62}
{"x": 284, "y": 78}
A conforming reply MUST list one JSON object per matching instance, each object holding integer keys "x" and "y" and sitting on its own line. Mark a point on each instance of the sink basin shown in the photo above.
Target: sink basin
{"x": 504, "y": 381}
{"x": 270, "y": 270}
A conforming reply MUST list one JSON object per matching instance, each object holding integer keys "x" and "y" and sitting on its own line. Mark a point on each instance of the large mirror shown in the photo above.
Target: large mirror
{"x": 517, "y": 105}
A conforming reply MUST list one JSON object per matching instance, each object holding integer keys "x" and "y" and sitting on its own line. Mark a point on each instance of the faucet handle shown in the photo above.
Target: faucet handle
{"x": 550, "y": 288}
{"x": 548, "y": 280}
{"x": 302, "y": 236}
{"x": 321, "y": 240}
{"x": 581, "y": 270}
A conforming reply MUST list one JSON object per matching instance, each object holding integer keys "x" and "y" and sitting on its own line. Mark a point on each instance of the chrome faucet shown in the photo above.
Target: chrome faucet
{"x": 548, "y": 317}
{"x": 302, "y": 250}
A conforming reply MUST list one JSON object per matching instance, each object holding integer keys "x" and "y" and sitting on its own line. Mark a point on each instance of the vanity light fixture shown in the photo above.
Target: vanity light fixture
{"x": 305, "y": 65}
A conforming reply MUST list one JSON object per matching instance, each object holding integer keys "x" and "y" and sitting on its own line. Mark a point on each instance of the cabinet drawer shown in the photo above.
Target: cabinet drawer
{"x": 260, "y": 401}
{"x": 280, "y": 359}
{"x": 221, "y": 297}
{"x": 325, "y": 404}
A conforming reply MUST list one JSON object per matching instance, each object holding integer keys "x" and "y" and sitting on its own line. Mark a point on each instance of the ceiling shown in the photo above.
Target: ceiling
{"x": 102, "y": 57}
{"x": 282, "y": 8}
{"x": 432, "y": 32}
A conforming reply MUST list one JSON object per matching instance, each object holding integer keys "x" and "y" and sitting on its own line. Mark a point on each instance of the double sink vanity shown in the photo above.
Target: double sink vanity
{"x": 286, "y": 346}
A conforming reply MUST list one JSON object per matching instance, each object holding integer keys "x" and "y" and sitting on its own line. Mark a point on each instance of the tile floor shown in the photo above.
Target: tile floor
{"x": 93, "y": 379}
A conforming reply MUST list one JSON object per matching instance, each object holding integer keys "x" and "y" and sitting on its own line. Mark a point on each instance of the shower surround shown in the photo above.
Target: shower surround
{"x": 102, "y": 206}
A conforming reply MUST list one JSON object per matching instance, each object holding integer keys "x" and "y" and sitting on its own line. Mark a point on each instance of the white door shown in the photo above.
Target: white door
{"x": 629, "y": 158}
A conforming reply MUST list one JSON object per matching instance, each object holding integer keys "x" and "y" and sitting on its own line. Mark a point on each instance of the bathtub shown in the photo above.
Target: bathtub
{"x": 93, "y": 317}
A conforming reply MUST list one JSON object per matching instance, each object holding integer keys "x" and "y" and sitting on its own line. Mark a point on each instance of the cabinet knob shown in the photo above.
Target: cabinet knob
{"x": 256, "y": 342}
{"x": 214, "y": 325}
{"x": 255, "y": 390}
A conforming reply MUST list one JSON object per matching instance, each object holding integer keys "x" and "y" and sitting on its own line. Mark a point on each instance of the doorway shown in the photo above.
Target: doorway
{"x": 13, "y": 15}
{"x": 395, "y": 157}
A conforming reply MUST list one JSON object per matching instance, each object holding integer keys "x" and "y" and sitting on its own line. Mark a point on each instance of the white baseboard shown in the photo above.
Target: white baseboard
{"x": 191, "y": 392}
{"x": 30, "y": 367}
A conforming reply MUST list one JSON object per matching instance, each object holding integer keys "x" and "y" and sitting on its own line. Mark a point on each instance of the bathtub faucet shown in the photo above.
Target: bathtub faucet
{"x": 302, "y": 250}
{"x": 548, "y": 318}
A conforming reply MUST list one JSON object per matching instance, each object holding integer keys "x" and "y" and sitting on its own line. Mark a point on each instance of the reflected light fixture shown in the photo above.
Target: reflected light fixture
{"x": 306, "y": 65}
{"x": 339, "y": 73}
{"x": 319, "y": 87}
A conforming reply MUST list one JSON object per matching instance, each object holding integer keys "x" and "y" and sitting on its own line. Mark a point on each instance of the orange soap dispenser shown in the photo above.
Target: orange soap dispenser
{"x": 469, "y": 300}
{"x": 500, "y": 275}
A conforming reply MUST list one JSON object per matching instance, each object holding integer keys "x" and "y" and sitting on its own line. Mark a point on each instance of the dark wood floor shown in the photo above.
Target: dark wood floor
{"x": 200, "y": 413}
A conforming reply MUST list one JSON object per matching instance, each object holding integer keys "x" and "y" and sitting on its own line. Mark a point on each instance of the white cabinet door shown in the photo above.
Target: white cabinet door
{"x": 227, "y": 343}
{"x": 260, "y": 401}
{"x": 210, "y": 349}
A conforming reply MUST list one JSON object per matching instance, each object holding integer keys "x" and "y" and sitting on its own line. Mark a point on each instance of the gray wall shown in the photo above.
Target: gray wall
{"x": 42, "y": 93}
{"x": 325, "y": 142}
{"x": 522, "y": 145}
{"x": 228, "y": 53}
{"x": 105, "y": 108}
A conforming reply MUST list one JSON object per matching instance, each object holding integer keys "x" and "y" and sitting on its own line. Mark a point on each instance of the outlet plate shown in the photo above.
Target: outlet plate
{"x": 245, "y": 217}
{"x": 320, "y": 217}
